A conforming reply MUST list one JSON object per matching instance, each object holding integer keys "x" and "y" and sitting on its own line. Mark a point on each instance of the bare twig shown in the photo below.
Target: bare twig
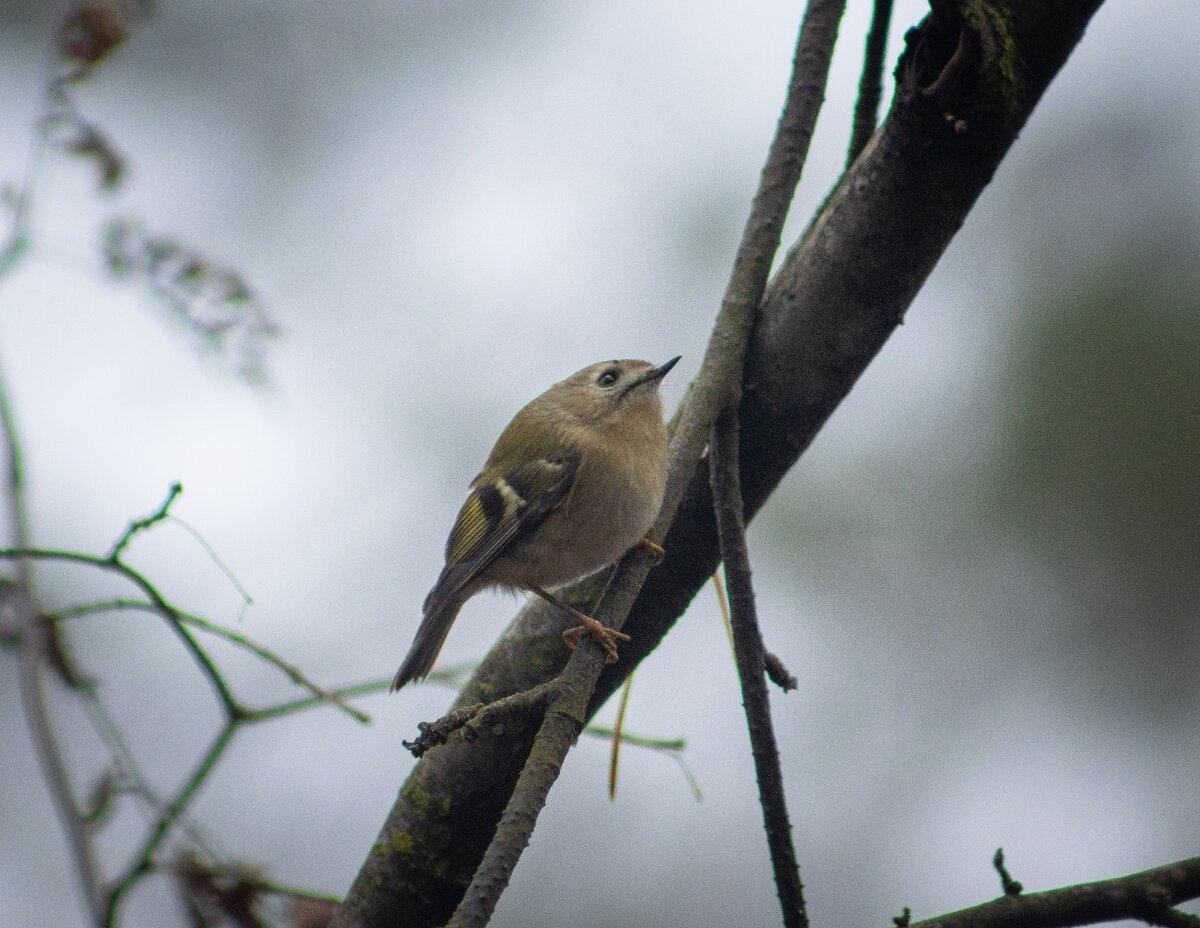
{"x": 311, "y": 702}
{"x": 469, "y": 719}
{"x": 143, "y": 861}
{"x": 748, "y": 648}
{"x": 870, "y": 87}
{"x": 215, "y": 558}
{"x": 140, "y": 525}
{"x": 293, "y": 673}
{"x": 129, "y": 778}
{"x": 36, "y": 646}
{"x": 87, "y": 34}
{"x": 106, "y": 904}
{"x": 778, "y": 673}
{"x": 232, "y": 708}
{"x": 1148, "y": 896}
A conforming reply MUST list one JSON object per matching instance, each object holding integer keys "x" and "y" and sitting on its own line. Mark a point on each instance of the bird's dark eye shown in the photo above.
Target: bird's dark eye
{"x": 607, "y": 378}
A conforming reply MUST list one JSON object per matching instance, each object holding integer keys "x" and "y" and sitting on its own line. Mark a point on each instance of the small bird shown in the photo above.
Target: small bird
{"x": 575, "y": 480}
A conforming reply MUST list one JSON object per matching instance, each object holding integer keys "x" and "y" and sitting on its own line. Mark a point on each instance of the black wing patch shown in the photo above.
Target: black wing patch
{"x": 498, "y": 513}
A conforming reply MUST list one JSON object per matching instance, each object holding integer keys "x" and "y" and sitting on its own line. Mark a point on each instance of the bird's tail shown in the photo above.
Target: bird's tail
{"x": 439, "y": 616}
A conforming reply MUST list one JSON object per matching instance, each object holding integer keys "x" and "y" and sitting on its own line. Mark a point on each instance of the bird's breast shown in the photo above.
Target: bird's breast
{"x": 609, "y": 509}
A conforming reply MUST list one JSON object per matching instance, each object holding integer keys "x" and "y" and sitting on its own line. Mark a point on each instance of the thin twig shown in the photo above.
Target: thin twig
{"x": 470, "y": 719}
{"x": 215, "y": 558}
{"x": 1010, "y": 886}
{"x": 292, "y": 706}
{"x": 725, "y": 477}
{"x": 174, "y": 619}
{"x": 870, "y": 86}
{"x": 293, "y": 673}
{"x": 140, "y": 525}
{"x": 131, "y": 781}
{"x": 719, "y": 379}
{"x": 143, "y": 861}
{"x": 778, "y": 673}
{"x": 291, "y": 670}
{"x": 36, "y": 646}
{"x": 560, "y": 728}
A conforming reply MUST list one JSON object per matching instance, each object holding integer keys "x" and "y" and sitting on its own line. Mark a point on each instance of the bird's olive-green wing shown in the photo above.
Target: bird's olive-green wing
{"x": 498, "y": 513}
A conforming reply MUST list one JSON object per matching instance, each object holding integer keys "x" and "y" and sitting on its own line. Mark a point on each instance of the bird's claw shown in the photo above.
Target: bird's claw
{"x": 606, "y": 637}
{"x": 657, "y": 550}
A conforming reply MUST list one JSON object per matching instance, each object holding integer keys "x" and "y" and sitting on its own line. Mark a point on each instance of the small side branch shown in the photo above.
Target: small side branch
{"x": 140, "y": 525}
{"x": 35, "y": 645}
{"x": 293, "y": 673}
{"x": 870, "y": 86}
{"x": 143, "y": 863}
{"x": 224, "y": 695}
{"x": 1010, "y": 886}
{"x": 778, "y": 673}
{"x": 1149, "y": 896}
{"x": 559, "y": 731}
{"x": 470, "y": 719}
{"x": 748, "y": 648}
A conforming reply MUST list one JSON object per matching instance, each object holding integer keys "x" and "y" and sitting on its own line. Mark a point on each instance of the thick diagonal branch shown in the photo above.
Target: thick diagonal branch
{"x": 826, "y": 314}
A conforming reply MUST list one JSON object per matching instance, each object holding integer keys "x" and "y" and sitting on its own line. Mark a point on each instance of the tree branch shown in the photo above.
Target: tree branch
{"x": 104, "y": 902}
{"x": 143, "y": 861}
{"x": 751, "y": 666}
{"x": 1148, "y": 896}
{"x": 827, "y": 312}
{"x": 295, "y": 674}
{"x": 870, "y": 86}
{"x": 231, "y": 707}
{"x": 37, "y": 644}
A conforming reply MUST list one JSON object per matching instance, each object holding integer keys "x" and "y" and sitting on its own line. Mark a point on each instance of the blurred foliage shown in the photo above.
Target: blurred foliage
{"x": 1098, "y": 463}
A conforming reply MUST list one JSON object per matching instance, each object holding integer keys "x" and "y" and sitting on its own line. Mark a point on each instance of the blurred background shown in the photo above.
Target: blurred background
{"x": 984, "y": 572}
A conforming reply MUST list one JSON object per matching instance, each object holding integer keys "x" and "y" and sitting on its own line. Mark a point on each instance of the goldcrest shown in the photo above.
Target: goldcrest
{"x": 574, "y": 481}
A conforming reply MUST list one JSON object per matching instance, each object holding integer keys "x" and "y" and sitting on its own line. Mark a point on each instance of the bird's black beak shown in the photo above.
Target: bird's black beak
{"x": 661, "y": 371}
{"x": 654, "y": 375}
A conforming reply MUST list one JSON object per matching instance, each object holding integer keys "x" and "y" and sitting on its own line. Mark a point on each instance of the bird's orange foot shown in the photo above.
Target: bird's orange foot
{"x": 655, "y": 549}
{"x": 607, "y": 637}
